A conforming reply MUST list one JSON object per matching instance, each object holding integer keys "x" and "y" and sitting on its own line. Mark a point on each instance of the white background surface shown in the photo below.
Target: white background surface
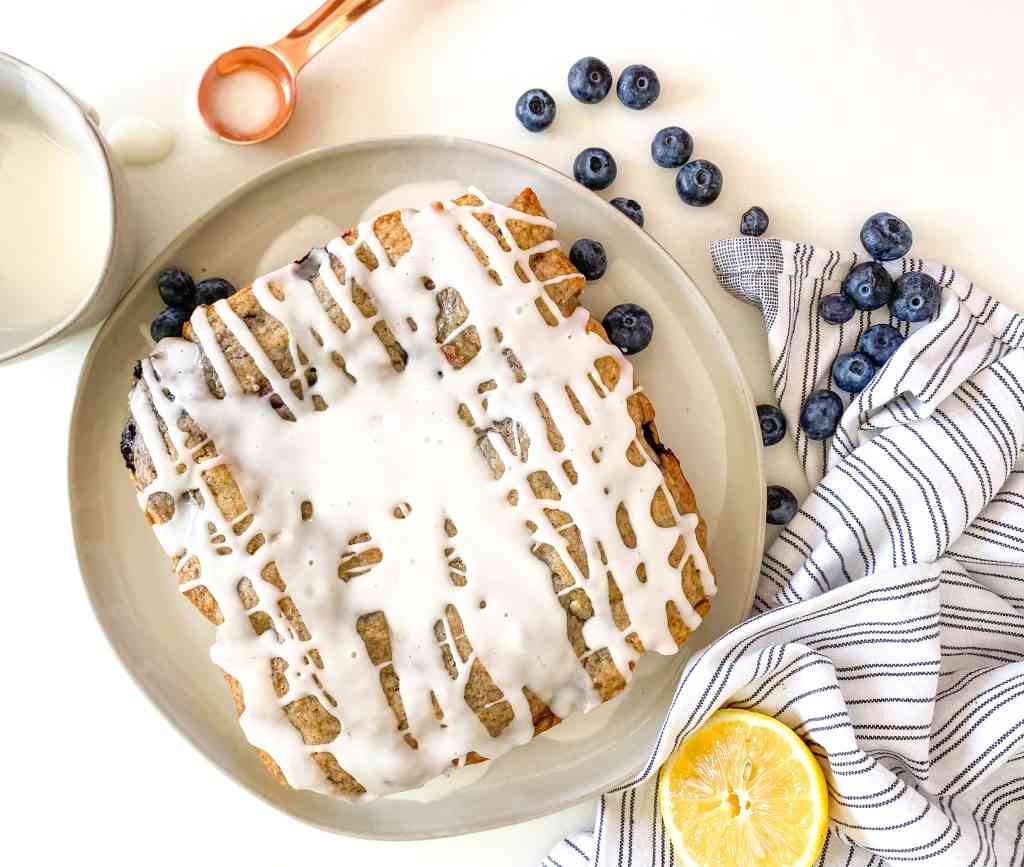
{"x": 822, "y": 113}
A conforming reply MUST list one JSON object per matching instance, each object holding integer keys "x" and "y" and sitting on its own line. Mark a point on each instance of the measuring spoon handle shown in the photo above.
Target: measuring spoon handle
{"x": 320, "y": 29}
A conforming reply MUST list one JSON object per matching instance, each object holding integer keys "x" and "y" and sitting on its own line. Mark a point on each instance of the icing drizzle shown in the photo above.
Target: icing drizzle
{"x": 413, "y": 539}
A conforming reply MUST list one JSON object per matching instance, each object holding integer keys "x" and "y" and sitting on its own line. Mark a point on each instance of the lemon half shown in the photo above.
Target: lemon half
{"x": 744, "y": 791}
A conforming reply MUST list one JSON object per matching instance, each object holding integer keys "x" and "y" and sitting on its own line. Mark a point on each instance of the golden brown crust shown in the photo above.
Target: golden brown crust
{"x": 317, "y": 724}
{"x": 235, "y": 688}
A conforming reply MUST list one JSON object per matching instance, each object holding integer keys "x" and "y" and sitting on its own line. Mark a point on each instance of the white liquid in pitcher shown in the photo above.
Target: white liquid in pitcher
{"x": 54, "y": 224}
{"x": 246, "y": 101}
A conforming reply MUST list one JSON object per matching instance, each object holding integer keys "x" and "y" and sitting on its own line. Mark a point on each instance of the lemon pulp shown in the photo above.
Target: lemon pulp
{"x": 744, "y": 791}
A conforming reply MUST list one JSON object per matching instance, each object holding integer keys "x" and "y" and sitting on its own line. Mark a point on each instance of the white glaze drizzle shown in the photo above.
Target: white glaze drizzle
{"x": 417, "y": 194}
{"x": 294, "y": 242}
{"x": 389, "y": 444}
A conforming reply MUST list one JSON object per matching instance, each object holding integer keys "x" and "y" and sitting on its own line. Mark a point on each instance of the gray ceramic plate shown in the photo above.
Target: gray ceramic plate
{"x": 705, "y": 412}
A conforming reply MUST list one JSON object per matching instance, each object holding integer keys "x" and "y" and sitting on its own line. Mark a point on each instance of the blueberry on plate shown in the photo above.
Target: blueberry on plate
{"x": 868, "y": 286}
{"x": 671, "y": 147}
{"x": 535, "y": 109}
{"x": 699, "y": 183}
{"x": 852, "y": 371}
{"x": 886, "y": 237}
{"x": 773, "y": 423}
{"x": 212, "y": 289}
{"x": 879, "y": 343}
{"x": 629, "y": 327}
{"x": 176, "y": 288}
{"x": 589, "y": 258}
{"x": 820, "y": 414}
{"x": 168, "y": 323}
{"x": 836, "y": 308}
{"x": 630, "y": 207}
{"x": 915, "y": 298}
{"x": 594, "y": 168}
{"x": 782, "y": 505}
{"x": 754, "y": 222}
{"x": 590, "y": 79}
{"x": 638, "y": 86}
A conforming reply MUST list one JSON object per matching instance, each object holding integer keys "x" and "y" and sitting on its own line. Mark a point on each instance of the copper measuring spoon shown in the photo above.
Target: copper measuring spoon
{"x": 279, "y": 62}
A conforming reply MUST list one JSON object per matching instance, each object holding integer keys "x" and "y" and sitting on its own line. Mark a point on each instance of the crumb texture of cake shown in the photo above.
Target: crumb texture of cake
{"x": 422, "y": 499}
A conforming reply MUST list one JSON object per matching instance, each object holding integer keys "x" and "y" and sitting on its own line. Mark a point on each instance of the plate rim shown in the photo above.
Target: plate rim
{"x": 187, "y": 233}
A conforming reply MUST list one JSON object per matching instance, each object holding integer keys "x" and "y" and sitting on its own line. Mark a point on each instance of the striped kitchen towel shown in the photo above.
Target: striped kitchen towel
{"x": 888, "y": 625}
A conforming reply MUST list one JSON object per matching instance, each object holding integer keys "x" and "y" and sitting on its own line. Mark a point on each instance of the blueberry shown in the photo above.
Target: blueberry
{"x": 629, "y": 327}
{"x": 852, "y": 371}
{"x": 773, "y": 423}
{"x": 595, "y": 168}
{"x": 782, "y": 505}
{"x": 176, "y": 288}
{"x": 836, "y": 308}
{"x": 820, "y": 414}
{"x": 699, "y": 183}
{"x": 879, "y": 343}
{"x": 589, "y": 258}
{"x": 128, "y": 434}
{"x": 590, "y": 79}
{"x": 168, "y": 323}
{"x": 915, "y": 298}
{"x": 638, "y": 86}
{"x": 631, "y": 208}
{"x": 886, "y": 237}
{"x": 212, "y": 289}
{"x": 754, "y": 222}
{"x": 671, "y": 147}
{"x": 535, "y": 109}
{"x": 868, "y": 286}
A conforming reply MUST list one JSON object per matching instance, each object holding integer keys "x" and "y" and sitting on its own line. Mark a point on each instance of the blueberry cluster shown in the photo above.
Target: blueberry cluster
{"x": 628, "y": 326}
{"x": 912, "y": 297}
{"x": 698, "y": 182}
{"x": 182, "y": 295}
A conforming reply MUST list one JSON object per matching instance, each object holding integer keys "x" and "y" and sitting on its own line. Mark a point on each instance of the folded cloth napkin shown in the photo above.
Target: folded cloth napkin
{"x": 888, "y": 625}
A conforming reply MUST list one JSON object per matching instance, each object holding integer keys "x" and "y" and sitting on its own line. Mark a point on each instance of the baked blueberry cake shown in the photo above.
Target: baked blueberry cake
{"x": 420, "y": 496}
